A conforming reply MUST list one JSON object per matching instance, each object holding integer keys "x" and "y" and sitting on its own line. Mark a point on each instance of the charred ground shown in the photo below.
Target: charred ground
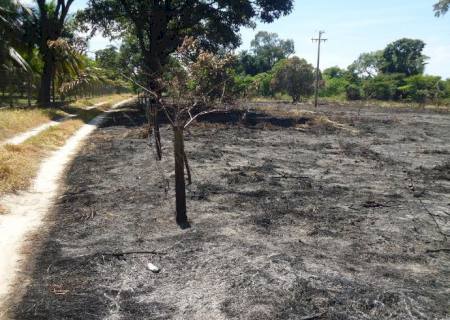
{"x": 340, "y": 214}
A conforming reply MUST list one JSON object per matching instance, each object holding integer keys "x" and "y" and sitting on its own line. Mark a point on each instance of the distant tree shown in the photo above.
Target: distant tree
{"x": 294, "y": 76}
{"x": 334, "y": 72}
{"x": 404, "y": 56}
{"x": 268, "y": 49}
{"x": 441, "y": 7}
{"x": 107, "y": 58}
{"x": 130, "y": 58}
{"x": 247, "y": 63}
{"x": 368, "y": 65}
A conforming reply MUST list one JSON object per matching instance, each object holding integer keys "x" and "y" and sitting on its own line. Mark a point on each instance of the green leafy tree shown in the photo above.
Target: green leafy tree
{"x": 268, "y": 49}
{"x": 130, "y": 58}
{"x": 368, "y": 65}
{"x": 441, "y": 7}
{"x": 404, "y": 56}
{"x": 247, "y": 63}
{"x": 294, "y": 76}
{"x": 334, "y": 73}
{"x": 107, "y": 58}
{"x": 161, "y": 26}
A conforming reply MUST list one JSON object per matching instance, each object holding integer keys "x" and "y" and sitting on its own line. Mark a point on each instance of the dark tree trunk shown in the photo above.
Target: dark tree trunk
{"x": 188, "y": 170}
{"x": 157, "y": 133}
{"x": 29, "y": 90}
{"x": 180, "y": 186}
{"x": 53, "y": 87}
{"x": 46, "y": 81}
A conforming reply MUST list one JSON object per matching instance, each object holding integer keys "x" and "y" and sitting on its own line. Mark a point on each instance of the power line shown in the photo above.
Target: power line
{"x": 319, "y": 42}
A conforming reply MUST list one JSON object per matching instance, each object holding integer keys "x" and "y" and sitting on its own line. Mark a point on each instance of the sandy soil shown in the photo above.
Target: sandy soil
{"x": 290, "y": 220}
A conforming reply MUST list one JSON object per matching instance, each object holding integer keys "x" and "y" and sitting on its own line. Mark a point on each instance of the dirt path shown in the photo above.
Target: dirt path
{"x": 286, "y": 224}
{"x": 27, "y": 209}
{"x": 20, "y": 138}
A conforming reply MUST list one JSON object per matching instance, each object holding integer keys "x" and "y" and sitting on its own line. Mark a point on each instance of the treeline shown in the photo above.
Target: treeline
{"x": 394, "y": 73}
{"x": 43, "y": 59}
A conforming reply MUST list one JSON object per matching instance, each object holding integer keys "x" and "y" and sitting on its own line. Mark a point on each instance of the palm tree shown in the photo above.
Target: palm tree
{"x": 51, "y": 24}
{"x": 12, "y": 32}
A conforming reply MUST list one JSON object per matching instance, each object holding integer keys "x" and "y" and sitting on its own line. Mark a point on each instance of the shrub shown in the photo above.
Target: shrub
{"x": 422, "y": 88}
{"x": 353, "y": 92}
{"x": 244, "y": 86}
{"x": 383, "y": 87}
{"x": 294, "y": 76}
{"x": 261, "y": 84}
{"x": 334, "y": 87}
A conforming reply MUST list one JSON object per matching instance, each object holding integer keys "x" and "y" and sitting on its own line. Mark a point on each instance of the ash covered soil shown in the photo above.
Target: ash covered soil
{"x": 291, "y": 219}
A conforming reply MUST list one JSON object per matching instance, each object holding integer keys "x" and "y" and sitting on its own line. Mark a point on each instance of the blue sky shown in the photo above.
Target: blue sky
{"x": 356, "y": 26}
{"x": 353, "y": 27}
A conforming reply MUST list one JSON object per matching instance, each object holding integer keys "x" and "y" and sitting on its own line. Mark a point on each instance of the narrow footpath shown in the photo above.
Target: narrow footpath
{"x": 27, "y": 209}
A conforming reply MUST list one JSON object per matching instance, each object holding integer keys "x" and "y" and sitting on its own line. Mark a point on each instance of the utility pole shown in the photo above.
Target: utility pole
{"x": 319, "y": 42}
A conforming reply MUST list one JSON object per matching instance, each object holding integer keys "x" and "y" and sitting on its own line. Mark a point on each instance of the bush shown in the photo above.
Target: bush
{"x": 383, "y": 87}
{"x": 422, "y": 88}
{"x": 334, "y": 87}
{"x": 294, "y": 76}
{"x": 261, "y": 84}
{"x": 353, "y": 92}
{"x": 244, "y": 86}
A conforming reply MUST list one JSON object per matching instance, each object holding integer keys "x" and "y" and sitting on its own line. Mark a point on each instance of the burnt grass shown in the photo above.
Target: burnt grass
{"x": 286, "y": 223}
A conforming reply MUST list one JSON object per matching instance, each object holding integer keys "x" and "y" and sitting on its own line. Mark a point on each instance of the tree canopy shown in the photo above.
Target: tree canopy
{"x": 441, "y": 7}
{"x": 368, "y": 64}
{"x": 161, "y": 26}
{"x": 295, "y": 76}
{"x": 404, "y": 56}
{"x": 266, "y": 50}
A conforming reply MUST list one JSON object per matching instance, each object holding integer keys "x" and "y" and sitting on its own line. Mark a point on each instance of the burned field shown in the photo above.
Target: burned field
{"x": 340, "y": 214}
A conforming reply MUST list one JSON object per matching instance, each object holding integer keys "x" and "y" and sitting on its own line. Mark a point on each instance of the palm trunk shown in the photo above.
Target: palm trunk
{"x": 53, "y": 87}
{"x": 29, "y": 90}
{"x": 46, "y": 82}
{"x": 180, "y": 186}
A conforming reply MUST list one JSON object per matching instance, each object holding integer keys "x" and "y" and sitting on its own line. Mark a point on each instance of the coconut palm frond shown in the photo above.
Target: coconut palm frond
{"x": 19, "y": 60}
